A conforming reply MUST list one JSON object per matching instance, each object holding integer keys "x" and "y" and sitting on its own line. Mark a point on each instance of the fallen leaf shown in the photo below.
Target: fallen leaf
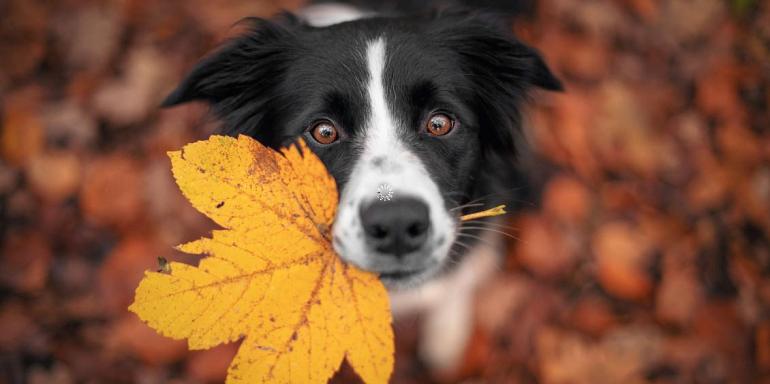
{"x": 127, "y": 335}
{"x": 70, "y": 126}
{"x": 58, "y": 374}
{"x": 18, "y": 326}
{"x": 762, "y": 342}
{"x": 621, "y": 356}
{"x": 111, "y": 194}
{"x": 679, "y": 292}
{"x": 210, "y": 366}
{"x": 592, "y": 315}
{"x": 622, "y": 258}
{"x": 567, "y": 199}
{"x": 26, "y": 261}
{"x": 123, "y": 269}
{"x": 54, "y": 176}
{"x": 22, "y": 136}
{"x": 89, "y": 35}
{"x": 144, "y": 74}
{"x": 23, "y": 45}
{"x": 544, "y": 249}
{"x": 271, "y": 276}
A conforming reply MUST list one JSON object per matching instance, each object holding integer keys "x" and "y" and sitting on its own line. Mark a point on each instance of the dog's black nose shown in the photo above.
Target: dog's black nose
{"x": 397, "y": 227}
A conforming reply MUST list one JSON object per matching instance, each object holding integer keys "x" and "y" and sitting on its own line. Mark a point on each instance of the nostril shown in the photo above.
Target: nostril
{"x": 378, "y": 231}
{"x": 416, "y": 229}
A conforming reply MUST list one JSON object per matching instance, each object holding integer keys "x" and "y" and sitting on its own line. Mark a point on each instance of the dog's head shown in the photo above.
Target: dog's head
{"x": 404, "y": 112}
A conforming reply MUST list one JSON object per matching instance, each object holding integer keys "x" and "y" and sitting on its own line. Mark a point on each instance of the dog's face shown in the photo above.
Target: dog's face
{"x": 403, "y": 112}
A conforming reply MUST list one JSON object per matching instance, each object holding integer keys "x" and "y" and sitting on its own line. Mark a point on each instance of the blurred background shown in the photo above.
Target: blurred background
{"x": 643, "y": 255}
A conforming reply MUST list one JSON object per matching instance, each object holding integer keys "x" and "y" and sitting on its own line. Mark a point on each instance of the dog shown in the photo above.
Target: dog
{"x": 416, "y": 118}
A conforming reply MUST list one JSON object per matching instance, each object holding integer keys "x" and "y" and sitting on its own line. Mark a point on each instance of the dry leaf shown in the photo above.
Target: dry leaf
{"x": 210, "y": 366}
{"x": 111, "y": 194}
{"x": 544, "y": 248}
{"x": 623, "y": 258}
{"x": 271, "y": 276}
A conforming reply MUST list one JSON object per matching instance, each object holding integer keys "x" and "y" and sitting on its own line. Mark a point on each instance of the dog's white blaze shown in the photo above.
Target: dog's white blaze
{"x": 381, "y": 127}
{"x": 386, "y": 160}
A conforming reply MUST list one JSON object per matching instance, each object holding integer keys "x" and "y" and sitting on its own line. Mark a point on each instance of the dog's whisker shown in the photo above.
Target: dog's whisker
{"x": 500, "y": 193}
{"x": 495, "y": 231}
{"x": 454, "y": 257}
{"x": 493, "y": 224}
{"x": 460, "y": 243}
{"x": 477, "y": 200}
{"x": 479, "y": 238}
{"x": 465, "y": 206}
{"x": 490, "y": 223}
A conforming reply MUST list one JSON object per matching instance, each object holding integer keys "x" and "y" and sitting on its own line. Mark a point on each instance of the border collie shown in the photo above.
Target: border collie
{"x": 416, "y": 119}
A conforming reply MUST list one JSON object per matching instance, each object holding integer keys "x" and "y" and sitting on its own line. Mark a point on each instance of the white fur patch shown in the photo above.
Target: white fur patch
{"x": 324, "y": 15}
{"x": 447, "y": 303}
{"x": 385, "y": 160}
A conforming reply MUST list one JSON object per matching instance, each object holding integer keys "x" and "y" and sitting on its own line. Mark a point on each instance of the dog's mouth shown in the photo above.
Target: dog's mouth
{"x": 405, "y": 277}
{"x": 401, "y": 275}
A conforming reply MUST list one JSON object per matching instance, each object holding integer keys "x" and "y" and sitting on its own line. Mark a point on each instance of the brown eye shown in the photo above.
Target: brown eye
{"x": 439, "y": 124}
{"x": 324, "y": 132}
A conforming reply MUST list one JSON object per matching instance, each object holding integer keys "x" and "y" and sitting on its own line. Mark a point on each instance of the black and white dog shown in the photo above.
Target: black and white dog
{"x": 414, "y": 116}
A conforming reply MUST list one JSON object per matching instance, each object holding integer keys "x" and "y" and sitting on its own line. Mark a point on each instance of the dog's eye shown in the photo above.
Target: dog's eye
{"x": 439, "y": 124}
{"x": 324, "y": 132}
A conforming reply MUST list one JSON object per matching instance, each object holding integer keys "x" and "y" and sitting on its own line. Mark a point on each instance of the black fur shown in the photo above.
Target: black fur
{"x": 280, "y": 76}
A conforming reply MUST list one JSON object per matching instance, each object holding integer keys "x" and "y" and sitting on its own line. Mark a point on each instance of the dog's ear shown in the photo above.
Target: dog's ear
{"x": 502, "y": 68}
{"x": 490, "y": 51}
{"x": 541, "y": 74}
{"x": 246, "y": 65}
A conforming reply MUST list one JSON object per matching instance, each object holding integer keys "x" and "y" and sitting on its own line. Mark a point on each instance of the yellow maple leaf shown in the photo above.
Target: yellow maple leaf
{"x": 270, "y": 276}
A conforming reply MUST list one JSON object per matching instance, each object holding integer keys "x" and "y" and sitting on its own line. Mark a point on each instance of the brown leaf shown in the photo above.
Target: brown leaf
{"x": 89, "y": 35}
{"x": 592, "y": 315}
{"x": 622, "y": 134}
{"x": 124, "y": 268}
{"x": 685, "y": 21}
{"x": 567, "y": 200}
{"x": 762, "y": 343}
{"x": 54, "y": 176}
{"x": 572, "y": 130}
{"x": 58, "y": 374}
{"x": 17, "y": 326}
{"x": 622, "y": 258}
{"x": 722, "y": 330}
{"x": 70, "y": 126}
{"x": 210, "y": 365}
{"x": 620, "y": 357}
{"x": 502, "y": 296}
{"x": 544, "y": 249}
{"x": 22, "y": 136}
{"x": 111, "y": 194}
{"x": 716, "y": 91}
{"x": 679, "y": 292}
{"x": 130, "y": 99}
{"x": 26, "y": 261}
{"x": 23, "y": 41}
{"x": 129, "y": 335}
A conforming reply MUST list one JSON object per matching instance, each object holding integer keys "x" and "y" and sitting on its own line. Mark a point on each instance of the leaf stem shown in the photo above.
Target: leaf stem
{"x": 496, "y": 211}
